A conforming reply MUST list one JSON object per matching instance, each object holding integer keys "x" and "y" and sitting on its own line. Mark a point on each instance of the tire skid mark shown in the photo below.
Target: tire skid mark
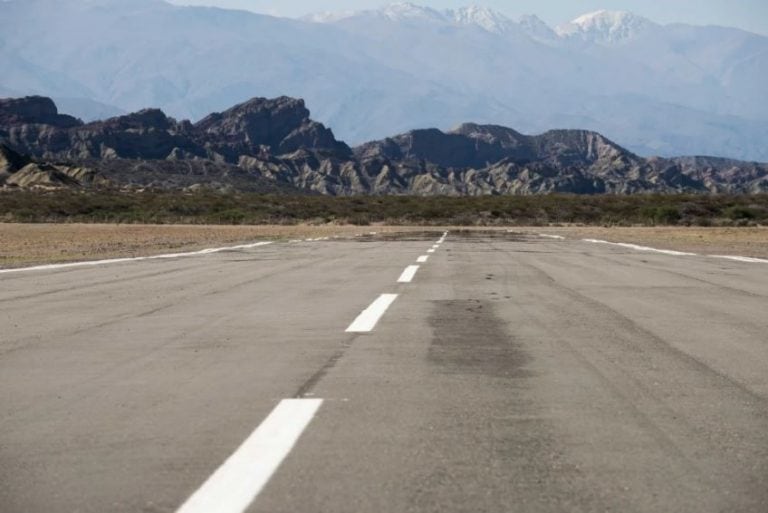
{"x": 650, "y": 404}
{"x": 633, "y": 327}
{"x": 623, "y": 262}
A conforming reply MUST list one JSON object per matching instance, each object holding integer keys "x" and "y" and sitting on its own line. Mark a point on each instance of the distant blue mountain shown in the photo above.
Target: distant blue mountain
{"x": 665, "y": 90}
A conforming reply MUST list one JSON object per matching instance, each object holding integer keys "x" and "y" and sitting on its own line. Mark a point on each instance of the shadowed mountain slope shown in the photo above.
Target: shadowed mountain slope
{"x": 264, "y": 144}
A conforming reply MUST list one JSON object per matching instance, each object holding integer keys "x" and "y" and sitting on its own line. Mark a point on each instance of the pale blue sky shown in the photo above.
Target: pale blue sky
{"x": 748, "y": 14}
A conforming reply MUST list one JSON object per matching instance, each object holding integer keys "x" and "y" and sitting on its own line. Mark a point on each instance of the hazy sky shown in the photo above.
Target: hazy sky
{"x": 747, "y": 14}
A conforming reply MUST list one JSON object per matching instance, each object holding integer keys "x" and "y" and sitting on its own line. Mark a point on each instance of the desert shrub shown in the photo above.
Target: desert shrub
{"x": 662, "y": 215}
{"x": 245, "y": 208}
{"x": 740, "y": 212}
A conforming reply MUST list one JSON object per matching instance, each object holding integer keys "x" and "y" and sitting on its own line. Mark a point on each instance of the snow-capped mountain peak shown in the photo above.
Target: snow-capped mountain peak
{"x": 405, "y": 10}
{"x": 485, "y": 18}
{"x": 605, "y": 27}
{"x": 473, "y": 15}
{"x": 329, "y": 16}
{"x": 394, "y": 12}
{"x": 536, "y": 28}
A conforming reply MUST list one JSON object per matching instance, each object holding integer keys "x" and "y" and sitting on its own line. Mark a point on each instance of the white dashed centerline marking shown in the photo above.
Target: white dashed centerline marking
{"x": 422, "y": 259}
{"x": 556, "y": 237}
{"x": 234, "y": 486}
{"x": 367, "y": 320}
{"x": 408, "y": 274}
{"x": 431, "y": 250}
{"x": 132, "y": 259}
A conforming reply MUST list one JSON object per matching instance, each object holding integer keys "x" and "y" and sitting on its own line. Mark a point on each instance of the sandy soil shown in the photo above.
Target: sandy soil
{"x": 26, "y": 244}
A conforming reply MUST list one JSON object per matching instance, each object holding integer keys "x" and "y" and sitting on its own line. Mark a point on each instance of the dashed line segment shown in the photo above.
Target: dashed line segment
{"x": 240, "y": 479}
{"x": 408, "y": 274}
{"x": 368, "y": 318}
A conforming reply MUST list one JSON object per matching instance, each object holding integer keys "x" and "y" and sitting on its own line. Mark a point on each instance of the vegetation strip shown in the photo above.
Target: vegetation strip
{"x": 160, "y": 207}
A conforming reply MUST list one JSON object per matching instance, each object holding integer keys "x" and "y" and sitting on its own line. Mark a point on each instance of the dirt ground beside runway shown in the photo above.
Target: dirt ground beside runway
{"x": 27, "y": 244}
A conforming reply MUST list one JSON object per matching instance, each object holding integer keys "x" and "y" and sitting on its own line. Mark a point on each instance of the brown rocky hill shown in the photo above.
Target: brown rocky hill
{"x": 273, "y": 145}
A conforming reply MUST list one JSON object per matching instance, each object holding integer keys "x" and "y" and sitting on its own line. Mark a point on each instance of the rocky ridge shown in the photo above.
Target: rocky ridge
{"x": 272, "y": 145}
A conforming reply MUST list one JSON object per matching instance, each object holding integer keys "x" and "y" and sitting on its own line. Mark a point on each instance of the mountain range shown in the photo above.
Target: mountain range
{"x": 660, "y": 89}
{"x": 273, "y": 145}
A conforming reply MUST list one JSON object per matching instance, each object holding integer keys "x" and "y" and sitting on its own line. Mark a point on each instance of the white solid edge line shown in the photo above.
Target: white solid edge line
{"x": 131, "y": 259}
{"x": 408, "y": 274}
{"x": 679, "y": 253}
{"x": 741, "y": 259}
{"x": 556, "y": 237}
{"x": 234, "y": 486}
{"x": 640, "y": 248}
{"x": 369, "y": 317}
{"x": 422, "y": 259}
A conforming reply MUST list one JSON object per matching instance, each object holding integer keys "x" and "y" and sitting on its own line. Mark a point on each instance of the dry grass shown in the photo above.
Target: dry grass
{"x": 26, "y": 244}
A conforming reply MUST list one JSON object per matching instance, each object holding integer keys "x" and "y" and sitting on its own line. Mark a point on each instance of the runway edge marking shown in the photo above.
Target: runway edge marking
{"x": 741, "y": 259}
{"x": 677, "y": 253}
{"x": 91, "y": 263}
{"x": 239, "y": 480}
{"x": 640, "y": 248}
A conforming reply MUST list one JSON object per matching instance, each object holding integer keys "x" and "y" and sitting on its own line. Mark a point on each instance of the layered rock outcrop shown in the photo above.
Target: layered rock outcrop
{"x": 275, "y": 141}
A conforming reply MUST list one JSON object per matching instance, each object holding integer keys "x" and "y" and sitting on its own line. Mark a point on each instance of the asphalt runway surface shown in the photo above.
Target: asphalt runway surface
{"x": 483, "y": 372}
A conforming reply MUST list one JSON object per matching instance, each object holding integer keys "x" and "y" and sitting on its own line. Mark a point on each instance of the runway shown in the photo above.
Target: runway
{"x": 423, "y": 372}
